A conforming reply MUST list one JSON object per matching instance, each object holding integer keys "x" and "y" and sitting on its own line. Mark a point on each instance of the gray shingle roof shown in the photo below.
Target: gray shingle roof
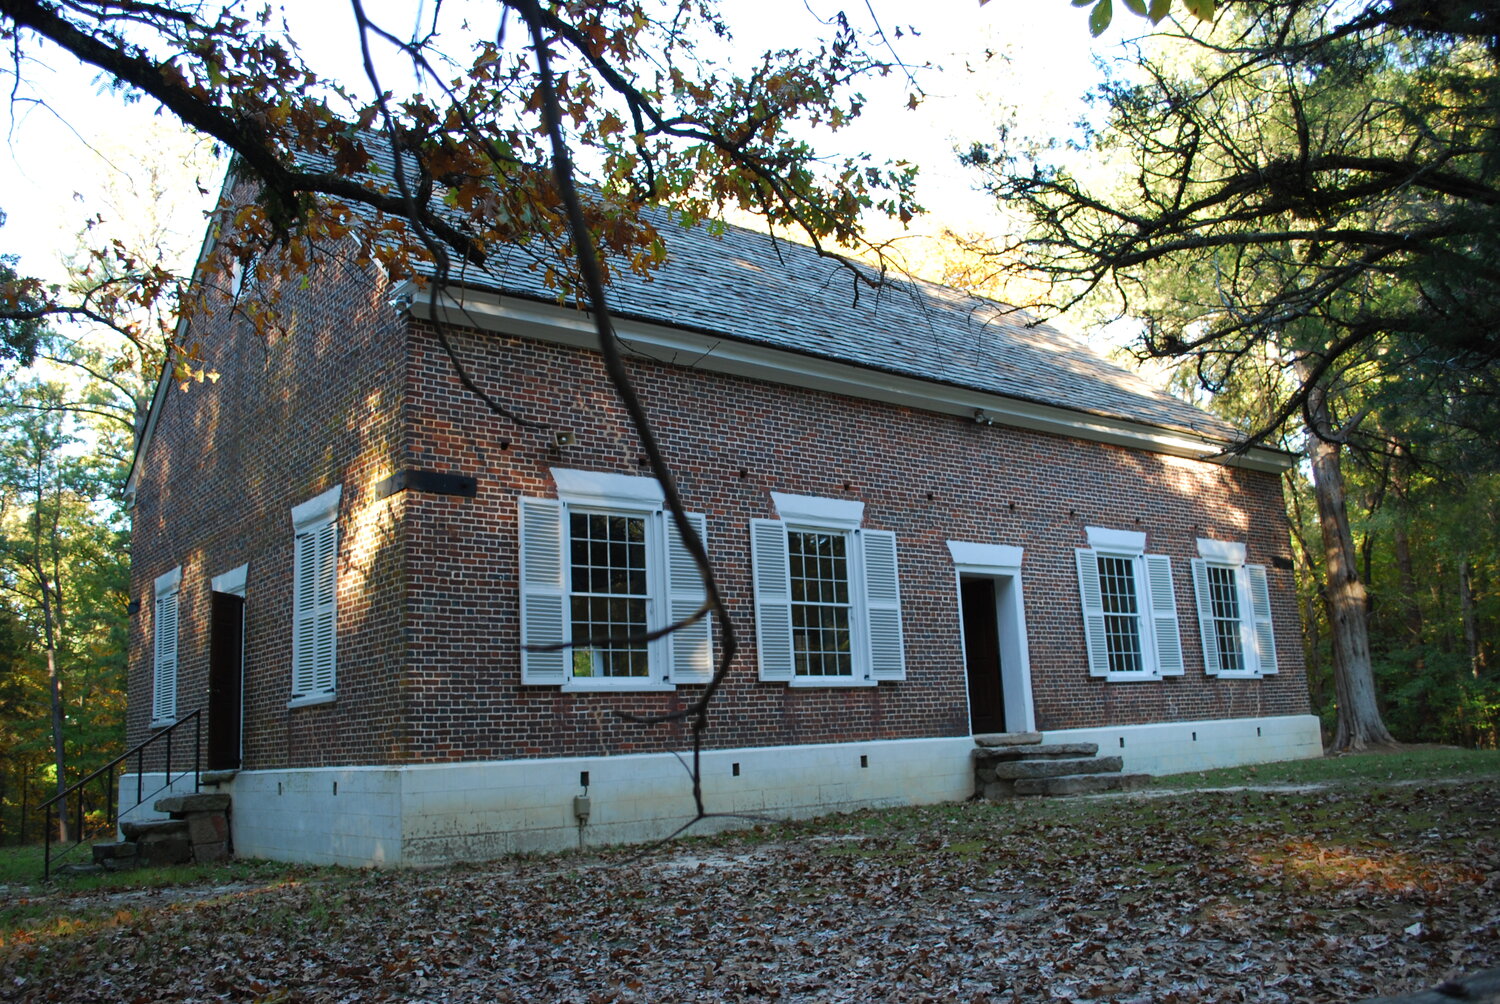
{"x": 749, "y": 287}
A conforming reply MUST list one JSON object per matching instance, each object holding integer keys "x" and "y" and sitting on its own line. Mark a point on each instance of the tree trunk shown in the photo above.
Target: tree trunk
{"x": 1466, "y": 604}
{"x": 1411, "y": 612}
{"x": 1359, "y": 722}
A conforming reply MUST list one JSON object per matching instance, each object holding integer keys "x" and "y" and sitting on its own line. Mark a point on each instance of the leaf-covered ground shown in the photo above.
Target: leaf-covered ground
{"x": 1327, "y": 895}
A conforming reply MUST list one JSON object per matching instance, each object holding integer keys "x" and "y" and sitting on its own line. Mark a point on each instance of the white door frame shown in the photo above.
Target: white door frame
{"x": 1001, "y": 562}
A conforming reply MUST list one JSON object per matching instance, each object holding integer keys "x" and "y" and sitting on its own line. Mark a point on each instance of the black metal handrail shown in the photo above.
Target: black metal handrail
{"x": 108, "y": 773}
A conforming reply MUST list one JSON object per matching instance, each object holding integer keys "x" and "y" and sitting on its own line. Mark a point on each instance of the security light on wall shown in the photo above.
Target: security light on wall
{"x": 564, "y": 437}
{"x": 981, "y": 418}
{"x": 400, "y": 302}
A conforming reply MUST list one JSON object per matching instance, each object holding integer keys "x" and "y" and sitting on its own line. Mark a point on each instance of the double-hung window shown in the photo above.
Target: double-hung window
{"x": 164, "y": 660}
{"x": 315, "y": 598}
{"x": 603, "y": 568}
{"x": 1234, "y": 611}
{"x": 1129, "y": 607}
{"x": 827, "y": 596}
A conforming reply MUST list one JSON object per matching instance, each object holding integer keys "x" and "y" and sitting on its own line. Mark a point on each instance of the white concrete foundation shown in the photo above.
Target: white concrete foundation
{"x": 472, "y": 811}
{"x": 1179, "y": 747}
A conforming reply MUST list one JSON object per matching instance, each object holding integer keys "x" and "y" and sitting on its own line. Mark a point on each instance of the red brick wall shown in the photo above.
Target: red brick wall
{"x": 930, "y": 478}
{"x": 317, "y": 403}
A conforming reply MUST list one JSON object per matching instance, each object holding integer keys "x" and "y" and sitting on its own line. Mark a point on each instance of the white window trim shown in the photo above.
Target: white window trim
{"x": 1131, "y": 545}
{"x": 630, "y": 495}
{"x": 309, "y": 518}
{"x": 166, "y": 588}
{"x": 1231, "y": 555}
{"x": 232, "y": 582}
{"x": 806, "y": 513}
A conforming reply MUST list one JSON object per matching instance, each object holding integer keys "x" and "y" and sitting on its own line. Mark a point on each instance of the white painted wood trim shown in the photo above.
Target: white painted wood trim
{"x": 844, "y": 514}
{"x": 1223, "y": 551}
{"x": 232, "y": 582}
{"x": 989, "y": 559}
{"x": 1116, "y": 541}
{"x": 318, "y": 509}
{"x": 605, "y": 489}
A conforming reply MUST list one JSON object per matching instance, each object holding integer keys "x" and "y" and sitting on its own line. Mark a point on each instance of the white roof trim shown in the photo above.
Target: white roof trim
{"x": 1119, "y": 541}
{"x": 994, "y": 558}
{"x": 844, "y": 513}
{"x": 168, "y": 582}
{"x": 319, "y": 509}
{"x": 1224, "y": 551}
{"x": 600, "y": 488}
{"x": 563, "y": 325}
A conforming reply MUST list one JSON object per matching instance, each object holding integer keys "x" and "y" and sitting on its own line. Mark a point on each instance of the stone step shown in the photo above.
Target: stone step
{"x": 214, "y": 778}
{"x": 154, "y": 829}
{"x": 121, "y": 855}
{"x": 203, "y": 801}
{"x": 1018, "y": 769}
{"x": 1007, "y": 739}
{"x": 1040, "y": 751}
{"x": 1080, "y": 784}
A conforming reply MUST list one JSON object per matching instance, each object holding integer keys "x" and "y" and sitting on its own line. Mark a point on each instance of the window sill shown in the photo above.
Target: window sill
{"x": 310, "y": 700}
{"x": 617, "y": 687}
{"x": 1133, "y": 678}
{"x": 830, "y": 682}
{"x": 1242, "y": 675}
{"x": 162, "y": 723}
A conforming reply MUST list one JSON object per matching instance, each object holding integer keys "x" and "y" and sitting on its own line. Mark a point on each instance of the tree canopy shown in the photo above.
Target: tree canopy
{"x": 1313, "y": 176}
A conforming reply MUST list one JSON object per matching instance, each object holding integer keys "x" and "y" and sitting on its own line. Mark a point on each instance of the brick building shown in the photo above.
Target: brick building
{"x": 339, "y": 553}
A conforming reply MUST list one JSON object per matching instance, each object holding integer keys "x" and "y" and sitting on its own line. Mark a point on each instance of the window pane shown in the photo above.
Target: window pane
{"x": 609, "y": 595}
{"x": 1224, "y": 601}
{"x": 821, "y": 640}
{"x": 1122, "y": 622}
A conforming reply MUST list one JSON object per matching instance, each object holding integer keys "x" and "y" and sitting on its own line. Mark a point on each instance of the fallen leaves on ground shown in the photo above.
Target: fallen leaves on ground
{"x": 1329, "y": 895}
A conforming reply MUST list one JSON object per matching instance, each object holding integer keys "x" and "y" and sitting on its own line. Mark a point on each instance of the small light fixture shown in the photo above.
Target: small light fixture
{"x": 981, "y": 418}
{"x": 564, "y": 437}
{"x": 400, "y": 302}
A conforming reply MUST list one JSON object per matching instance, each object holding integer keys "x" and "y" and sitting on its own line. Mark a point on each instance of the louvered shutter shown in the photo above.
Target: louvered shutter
{"x": 690, "y": 648}
{"x": 1260, "y": 606}
{"x": 882, "y": 591}
{"x": 772, "y": 578}
{"x": 1094, "y": 636}
{"x": 325, "y": 614}
{"x": 304, "y": 611}
{"x": 164, "y": 690}
{"x": 543, "y": 597}
{"x": 1204, "y": 593}
{"x": 1164, "y": 615}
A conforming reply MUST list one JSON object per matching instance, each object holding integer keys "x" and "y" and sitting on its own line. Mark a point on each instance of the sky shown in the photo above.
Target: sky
{"x": 69, "y": 134}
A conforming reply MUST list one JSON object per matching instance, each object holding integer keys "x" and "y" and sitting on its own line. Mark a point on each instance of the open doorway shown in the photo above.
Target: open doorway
{"x": 226, "y": 671}
{"x": 993, "y": 619}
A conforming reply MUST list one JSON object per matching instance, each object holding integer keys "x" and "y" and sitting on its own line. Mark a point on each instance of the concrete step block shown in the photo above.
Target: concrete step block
{"x": 1007, "y": 739}
{"x": 203, "y": 801}
{"x": 1057, "y": 768}
{"x": 1080, "y": 784}
{"x": 1038, "y": 752}
{"x": 153, "y": 829}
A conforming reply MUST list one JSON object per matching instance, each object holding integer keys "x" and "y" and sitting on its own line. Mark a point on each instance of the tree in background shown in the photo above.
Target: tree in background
{"x": 1301, "y": 201}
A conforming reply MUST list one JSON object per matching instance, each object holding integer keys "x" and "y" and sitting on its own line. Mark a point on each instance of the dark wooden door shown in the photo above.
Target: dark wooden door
{"x": 225, "y": 652}
{"x": 982, "y": 655}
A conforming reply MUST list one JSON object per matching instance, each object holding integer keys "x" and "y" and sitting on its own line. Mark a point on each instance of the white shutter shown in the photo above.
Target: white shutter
{"x": 1094, "y": 637}
{"x": 304, "y": 611}
{"x": 1260, "y": 606}
{"x": 1164, "y": 615}
{"x": 543, "y": 596}
{"x": 882, "y": 596}
{"x": 164, "y": 691}
{"x": 772, "y": 578}
{"x": 1204, "y": 593}
{"x": 690, "y": 648}
{"x": 325, "y": 623}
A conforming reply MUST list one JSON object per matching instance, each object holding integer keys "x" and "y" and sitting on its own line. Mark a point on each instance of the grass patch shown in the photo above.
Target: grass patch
{"x": 1407, "y": 765}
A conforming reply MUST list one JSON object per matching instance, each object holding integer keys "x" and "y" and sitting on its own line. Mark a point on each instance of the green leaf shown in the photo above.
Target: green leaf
{"x": 1100, "y": 17}
{"x": 1159, "y": 10}
{"x": 1136, "y": 7}
{"x": 1202, "y": 9}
